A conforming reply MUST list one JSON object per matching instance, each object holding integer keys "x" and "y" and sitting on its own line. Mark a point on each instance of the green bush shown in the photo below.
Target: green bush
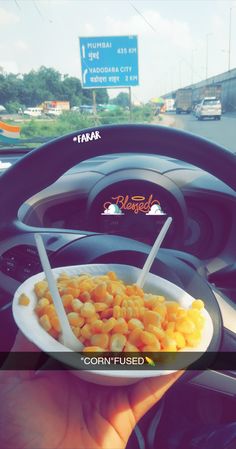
{"x": 64, "y": 124}
{"x": 142, "y": 114}
{"x": 71, "y": 121}
{"x": 30, "y": 129}
{"x": 116, "y": 116}
{"x": 13, "y": 107}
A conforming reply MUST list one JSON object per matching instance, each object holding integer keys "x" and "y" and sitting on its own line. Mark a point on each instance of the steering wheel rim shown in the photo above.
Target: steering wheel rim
{"x": 44, "y": 165}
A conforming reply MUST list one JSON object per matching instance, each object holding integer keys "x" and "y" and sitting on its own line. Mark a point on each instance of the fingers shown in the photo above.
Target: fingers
{"x": 149, "y": 391}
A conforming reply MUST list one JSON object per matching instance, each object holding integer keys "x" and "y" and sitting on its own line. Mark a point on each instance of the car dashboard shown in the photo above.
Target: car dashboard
{"x": 139, "y": 192}
{"x": 80, "y": 199}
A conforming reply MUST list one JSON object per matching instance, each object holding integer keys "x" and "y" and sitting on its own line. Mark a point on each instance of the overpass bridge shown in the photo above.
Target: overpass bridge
{"x": 226, "y": 80}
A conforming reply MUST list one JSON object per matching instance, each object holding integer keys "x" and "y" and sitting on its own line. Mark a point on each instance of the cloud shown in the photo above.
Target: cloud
{"x": 9, "y": 66}
{"x": 217, "y": 23}
{"x": 156, "y": 210}
{"x": 21, "y": 45}
{"x": 89, "y": 29}
{"x": 151, "y": 23}
{"x": 171, "y": 30}
{"x": 7, "y": 18}
{"x": 112, "y": 209}
{"x": 162, "y": 43}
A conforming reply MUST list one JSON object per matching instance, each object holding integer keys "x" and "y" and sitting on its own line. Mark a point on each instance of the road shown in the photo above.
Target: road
{"x": 222, "y": 132}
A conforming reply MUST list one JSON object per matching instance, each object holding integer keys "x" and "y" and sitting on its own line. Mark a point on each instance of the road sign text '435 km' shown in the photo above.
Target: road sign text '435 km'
{"x": 110, "y": 61}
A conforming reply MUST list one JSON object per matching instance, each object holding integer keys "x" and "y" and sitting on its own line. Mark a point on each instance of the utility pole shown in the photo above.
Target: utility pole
{"x": 130, "y": 104}
{"x": 180, "y": 73}
{"x": 230, "y": 29}
{"x": 230, "y": 17}
{"x": 192, "y": 65}
{"x": 94, "y": 103}
{"x": 207, "y": 36}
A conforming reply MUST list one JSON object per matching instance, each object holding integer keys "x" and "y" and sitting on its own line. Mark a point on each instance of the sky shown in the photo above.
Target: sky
{"x": 172, "y": 37}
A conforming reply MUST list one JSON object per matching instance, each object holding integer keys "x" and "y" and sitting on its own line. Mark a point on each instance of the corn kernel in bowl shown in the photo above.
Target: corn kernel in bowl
{"x": 163, "y": 291}
{"x": 107, "y": 314}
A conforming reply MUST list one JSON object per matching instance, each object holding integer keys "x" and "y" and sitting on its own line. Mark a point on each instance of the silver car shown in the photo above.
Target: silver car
{"x": 210, "y": 107}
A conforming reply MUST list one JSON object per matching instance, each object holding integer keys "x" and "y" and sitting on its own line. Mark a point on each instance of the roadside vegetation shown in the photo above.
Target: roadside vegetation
{"x": 19, "y": 91}
{"x": 74, "y": 121}
{"x": 45, "y": 84}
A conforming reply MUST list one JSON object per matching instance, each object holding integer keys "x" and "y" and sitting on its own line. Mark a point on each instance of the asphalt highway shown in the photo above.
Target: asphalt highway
{"x": 222, "y": 132}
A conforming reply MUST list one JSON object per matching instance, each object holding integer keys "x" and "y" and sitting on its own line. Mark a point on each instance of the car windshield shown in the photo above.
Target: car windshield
{"x": 211, "y": 102}
{"x": 73, "y": 64}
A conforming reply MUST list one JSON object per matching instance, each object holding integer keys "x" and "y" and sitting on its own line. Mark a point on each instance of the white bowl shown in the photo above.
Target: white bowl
{"x": 27, "y": 321}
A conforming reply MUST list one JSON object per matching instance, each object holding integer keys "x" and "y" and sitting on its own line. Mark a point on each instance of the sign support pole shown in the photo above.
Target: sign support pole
{"x": 94, "y": 103}
{"x": 130, "y": 104}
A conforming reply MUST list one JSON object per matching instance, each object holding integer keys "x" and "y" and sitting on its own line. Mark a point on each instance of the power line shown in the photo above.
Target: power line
{"x": 17, "y": 4}
{"x": 38, "y": 9}
{"x": 144, "y": 18}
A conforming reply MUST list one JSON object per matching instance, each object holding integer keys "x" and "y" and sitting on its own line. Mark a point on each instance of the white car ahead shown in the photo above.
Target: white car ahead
{"x": 54, "y": 112}
{"x": 209, "y": 107}
{"x": 33, "y": 112}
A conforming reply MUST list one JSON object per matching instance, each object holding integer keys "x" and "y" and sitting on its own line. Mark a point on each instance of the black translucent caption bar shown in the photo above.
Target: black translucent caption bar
{"x": 106, "y": 361}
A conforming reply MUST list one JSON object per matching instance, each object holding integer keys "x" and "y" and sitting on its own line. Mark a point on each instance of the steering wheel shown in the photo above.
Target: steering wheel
{"x": 44, "y": 165}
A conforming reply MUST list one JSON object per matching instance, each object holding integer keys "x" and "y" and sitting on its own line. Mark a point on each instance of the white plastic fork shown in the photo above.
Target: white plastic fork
{"x": 147, "y": 266}
{"x": 67, "y": 338}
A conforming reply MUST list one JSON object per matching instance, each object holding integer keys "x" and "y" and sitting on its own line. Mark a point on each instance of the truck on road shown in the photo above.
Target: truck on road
{"x": 54, "y": 107}
{"x": 183, "y": 100}
{"x": 169, "y": 104}
{"x": 210, "y": 90}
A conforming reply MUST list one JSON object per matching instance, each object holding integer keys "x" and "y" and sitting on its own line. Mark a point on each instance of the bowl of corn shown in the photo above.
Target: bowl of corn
{"x": 108, "y": 312}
